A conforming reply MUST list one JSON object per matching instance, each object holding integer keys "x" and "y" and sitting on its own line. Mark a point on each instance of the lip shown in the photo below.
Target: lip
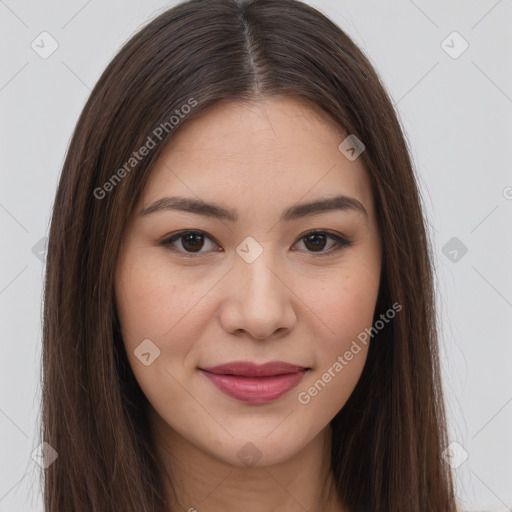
{"x": 256, "y": 384}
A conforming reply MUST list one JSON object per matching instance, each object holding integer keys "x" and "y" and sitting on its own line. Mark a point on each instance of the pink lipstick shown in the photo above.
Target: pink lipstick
{"x": 255, "y": 384}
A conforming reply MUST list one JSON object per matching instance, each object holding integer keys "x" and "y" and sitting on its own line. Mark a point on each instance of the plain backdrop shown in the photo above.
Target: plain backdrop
{"x": 453, "y": 94}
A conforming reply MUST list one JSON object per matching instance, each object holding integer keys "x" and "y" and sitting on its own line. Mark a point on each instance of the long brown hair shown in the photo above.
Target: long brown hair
{"x": 388, "y": 439}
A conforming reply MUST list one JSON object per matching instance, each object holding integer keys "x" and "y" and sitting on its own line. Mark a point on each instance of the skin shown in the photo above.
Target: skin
{"x": 294, "y": 303}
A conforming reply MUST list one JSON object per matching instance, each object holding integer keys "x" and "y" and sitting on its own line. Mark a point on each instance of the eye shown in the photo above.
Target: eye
{"x": 315, "y": 241}
{"x": 192, "y": 242}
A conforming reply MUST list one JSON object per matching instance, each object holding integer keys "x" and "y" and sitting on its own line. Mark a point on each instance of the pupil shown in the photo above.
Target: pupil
{"x": 316, "y": 245}
{"x": 189, "y": 240}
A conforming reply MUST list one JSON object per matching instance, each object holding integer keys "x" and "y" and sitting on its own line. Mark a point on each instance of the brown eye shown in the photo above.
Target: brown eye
{"x": 316, "y": 242}
{"x": 191, "y": 242}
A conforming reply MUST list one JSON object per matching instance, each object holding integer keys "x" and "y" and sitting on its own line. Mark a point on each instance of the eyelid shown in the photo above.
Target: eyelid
{"x": 341, "y": 241}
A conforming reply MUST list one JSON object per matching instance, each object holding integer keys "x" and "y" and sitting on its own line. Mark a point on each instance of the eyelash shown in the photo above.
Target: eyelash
{"x": 341, "y": 242}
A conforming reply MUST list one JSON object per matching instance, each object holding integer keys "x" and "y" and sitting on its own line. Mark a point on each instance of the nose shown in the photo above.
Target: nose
{"x": 259, "y": 301}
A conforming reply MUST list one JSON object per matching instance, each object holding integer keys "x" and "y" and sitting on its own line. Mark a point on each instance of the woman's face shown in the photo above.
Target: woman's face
{"x": 261, "y": 280}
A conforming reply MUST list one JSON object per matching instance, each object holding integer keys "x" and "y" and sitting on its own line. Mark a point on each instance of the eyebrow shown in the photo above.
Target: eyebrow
{"x": 199, "y": 207}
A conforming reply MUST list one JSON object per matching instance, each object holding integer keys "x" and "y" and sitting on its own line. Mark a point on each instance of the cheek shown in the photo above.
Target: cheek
{"x": 347, "y": 308}
{"x": 342, "y": 355}
{"x": 156, "y": 304}
{"x": 345, "y": 302}
{"x": 351, "y": 310}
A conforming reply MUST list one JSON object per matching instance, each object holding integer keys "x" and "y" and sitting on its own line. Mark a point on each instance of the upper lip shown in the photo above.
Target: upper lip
{"x": 248, "y": 369}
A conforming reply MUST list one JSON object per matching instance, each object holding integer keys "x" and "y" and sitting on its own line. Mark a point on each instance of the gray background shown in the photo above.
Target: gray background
{"x": 456, "y": 113}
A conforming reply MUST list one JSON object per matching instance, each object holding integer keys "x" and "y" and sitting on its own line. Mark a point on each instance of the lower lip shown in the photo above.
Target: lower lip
{"x": 255, "y": 390}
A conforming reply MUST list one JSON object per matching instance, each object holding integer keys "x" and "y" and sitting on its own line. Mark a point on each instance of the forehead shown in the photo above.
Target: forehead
{"x": 278, "y": 149}
{"x": 245, "y": 129}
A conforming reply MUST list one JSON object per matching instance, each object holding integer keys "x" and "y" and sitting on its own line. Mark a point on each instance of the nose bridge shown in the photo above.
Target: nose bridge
{"x": 258, "y": 283}
{"x": 260, "y": 304}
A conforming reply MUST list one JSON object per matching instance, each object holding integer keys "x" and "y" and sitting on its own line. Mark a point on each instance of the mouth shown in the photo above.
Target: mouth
{"x": 255, "y": 384}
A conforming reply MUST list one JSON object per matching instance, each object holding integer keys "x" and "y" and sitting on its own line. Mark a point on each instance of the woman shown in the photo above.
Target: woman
{"x": 239, "y": 311}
